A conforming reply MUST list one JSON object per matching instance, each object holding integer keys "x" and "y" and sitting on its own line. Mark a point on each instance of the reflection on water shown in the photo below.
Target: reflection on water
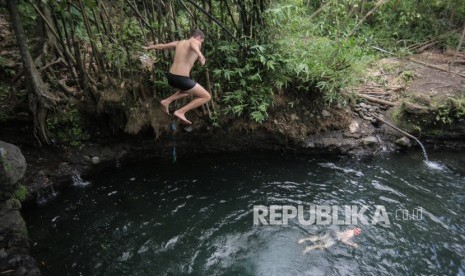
{"x": 154, "y": 218}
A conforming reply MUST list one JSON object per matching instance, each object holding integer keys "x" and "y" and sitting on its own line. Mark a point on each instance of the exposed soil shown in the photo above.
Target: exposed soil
{"x": 394, "y": 79}
{"x": 434, "y": 83}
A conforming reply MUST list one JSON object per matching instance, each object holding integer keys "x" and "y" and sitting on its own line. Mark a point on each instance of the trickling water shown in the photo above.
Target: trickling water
{"x": 45, "y": 195}
{"x": 195, "y": 217}
{"x": 407, "y": 134}
{"x": 435, "y": 165}
{"x": 422, "y": 149}
{"x": 78, "y": 181}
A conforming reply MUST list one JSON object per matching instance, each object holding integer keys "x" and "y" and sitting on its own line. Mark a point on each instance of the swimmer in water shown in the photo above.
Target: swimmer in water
{"x": 329, "y": 240}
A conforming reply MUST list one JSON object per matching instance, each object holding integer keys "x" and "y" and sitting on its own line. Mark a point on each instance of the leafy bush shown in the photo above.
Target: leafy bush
{"x": 295, "y": 46}
{"x": 452, "y": 110}
{"x": 317, "y": 59}
{"x": 66, "y": 127}
{"x": 246, "y": 83}
{"x": 417, "y": 21}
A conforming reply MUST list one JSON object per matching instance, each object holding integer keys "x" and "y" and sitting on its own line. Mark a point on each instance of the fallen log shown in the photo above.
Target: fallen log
{"x": 372, "y": 99}
{"x": 436, "y": 67}
{"x": 376, "y": 100}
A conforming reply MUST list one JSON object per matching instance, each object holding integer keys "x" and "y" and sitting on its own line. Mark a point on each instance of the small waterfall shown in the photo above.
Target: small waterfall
{"x": 52, "y": 191}
{"x": 422, "y": 148}
{"x": 46, "y": 194}
{"x": 78, "y": 181}
{"x": 430, "y": 164}
{"x": 406, "y": 134}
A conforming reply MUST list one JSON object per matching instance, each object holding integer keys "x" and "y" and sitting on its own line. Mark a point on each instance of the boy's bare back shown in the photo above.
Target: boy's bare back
{"x": 184, "y": 57}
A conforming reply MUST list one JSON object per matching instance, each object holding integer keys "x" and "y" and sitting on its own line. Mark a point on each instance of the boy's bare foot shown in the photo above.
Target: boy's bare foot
{"x": 165, "y": 106}
{"x": 182, "y": 117}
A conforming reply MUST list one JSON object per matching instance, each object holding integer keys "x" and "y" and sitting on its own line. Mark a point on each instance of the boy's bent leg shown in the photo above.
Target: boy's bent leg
{"x": 166, "y": 102}
{"x": 202, "y": 97}
{"x": 310, "y": 248}
{"x": 310, "y": 238}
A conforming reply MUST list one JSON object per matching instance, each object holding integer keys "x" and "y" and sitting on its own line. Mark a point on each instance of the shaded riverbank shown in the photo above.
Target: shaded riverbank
{"x": 352, "y": 135}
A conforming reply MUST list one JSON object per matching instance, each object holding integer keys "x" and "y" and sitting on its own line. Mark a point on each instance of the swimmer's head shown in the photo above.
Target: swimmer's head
{"x": 357, "y": 231}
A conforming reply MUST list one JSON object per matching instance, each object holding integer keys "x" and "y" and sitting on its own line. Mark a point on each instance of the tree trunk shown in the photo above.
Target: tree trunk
{"x": 40, "y": 99}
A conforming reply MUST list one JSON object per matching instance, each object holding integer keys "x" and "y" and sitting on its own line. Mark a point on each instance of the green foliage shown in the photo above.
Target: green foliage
{"x": 328, "y": 65}
{"x": 393, "y": 25}
{"x": 247, "y": 83}
{"x": 317, "y": 59}
{"x": 452, "y": 110}
{"x": 442, "y": 113}
{"x": 215, "y": 119}
{"x": 416, "y": 21}
{"x": 28, "y": 16}
{"x": 294, "y": 46}
{"x": 327, "y": 51}
{"x": 407, "y": 75}
{"x": 21, "y": 193}
{"x": 131, "y": 34}
{"x": 67, "y": 127}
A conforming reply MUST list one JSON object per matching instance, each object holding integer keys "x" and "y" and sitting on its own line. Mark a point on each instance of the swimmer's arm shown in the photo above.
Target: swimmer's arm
{"x": 161, "y": 46}
{"x": 353, "y": 244}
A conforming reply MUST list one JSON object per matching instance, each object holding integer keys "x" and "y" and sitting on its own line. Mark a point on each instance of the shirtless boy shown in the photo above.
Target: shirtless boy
{"x": 329, "y": 240}
{"x": 186, "y": 53}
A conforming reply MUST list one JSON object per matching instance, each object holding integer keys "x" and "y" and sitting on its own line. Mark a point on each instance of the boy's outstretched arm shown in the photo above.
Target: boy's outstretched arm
{"x": 161, "y": 46}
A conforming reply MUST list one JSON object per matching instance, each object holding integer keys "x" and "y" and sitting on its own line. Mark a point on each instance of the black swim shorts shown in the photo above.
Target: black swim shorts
{"x": 180, "y": 82}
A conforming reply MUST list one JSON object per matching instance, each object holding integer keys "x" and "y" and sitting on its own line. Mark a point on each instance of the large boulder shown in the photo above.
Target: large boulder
{"x": 12, "y": 169}
{"x": 14, "y": 246}
{"x": 15, "y": 258}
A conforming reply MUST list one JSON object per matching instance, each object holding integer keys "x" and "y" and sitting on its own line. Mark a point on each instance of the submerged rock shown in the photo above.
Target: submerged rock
{"x": 95, "y": 160}
{"x": 404, "y": 142}
{"x": 370, "y": 141}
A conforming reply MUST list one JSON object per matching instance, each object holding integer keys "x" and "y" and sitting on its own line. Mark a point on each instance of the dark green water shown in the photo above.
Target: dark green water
{"x": 195, "y": 217}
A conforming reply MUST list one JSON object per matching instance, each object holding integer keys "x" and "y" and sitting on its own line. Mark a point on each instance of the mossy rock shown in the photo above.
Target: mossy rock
{"x": 431, "y": 117}
{"x": 12, "y": 169}
{"x": 415, "y": 108}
